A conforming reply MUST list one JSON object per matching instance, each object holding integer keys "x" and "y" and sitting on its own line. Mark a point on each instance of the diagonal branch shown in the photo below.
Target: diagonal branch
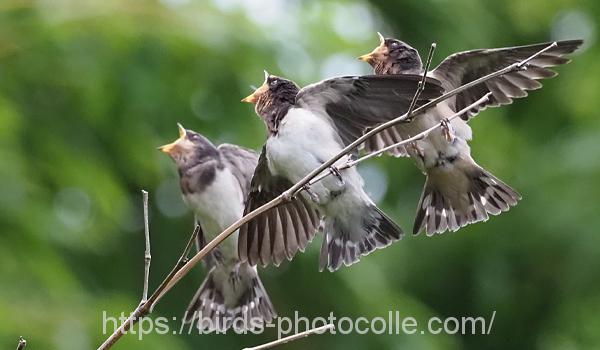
{"x": 177, "y": 274}
{"x": 217, "y": 240}
{"x": 414, "y": 138}
{"x": 515, "y": 66}
{"x": 300, "y": 184}
{"x": 183, "y": 259}
{"x": 145, "y": 307}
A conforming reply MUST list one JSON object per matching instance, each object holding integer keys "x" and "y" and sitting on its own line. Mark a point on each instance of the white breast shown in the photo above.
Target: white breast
{"x": 219, "y": 205}
{"x": 303, "y": 142}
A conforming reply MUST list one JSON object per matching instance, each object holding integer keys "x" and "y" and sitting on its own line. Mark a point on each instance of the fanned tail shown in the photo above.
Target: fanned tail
{"x": 468, "y": 195}
{"x": 230, "y": 297}
{"x": 346, "y": 242}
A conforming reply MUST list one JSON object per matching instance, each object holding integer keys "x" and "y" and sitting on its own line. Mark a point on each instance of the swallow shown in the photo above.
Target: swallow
{"x": 458, "y": 191}
{"x": 306, "y": 127}
{"x": 215, "y": 182}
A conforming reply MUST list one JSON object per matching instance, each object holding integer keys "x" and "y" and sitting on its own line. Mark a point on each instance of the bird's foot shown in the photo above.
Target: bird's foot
{"x": 313, "y": 196}
{"x": 408, "y": 120}
{"x": 336, "y": 172}
{"x": 418, "y": 150}
{"x": 447, "y": 130}
{"x": 288, "y": 196}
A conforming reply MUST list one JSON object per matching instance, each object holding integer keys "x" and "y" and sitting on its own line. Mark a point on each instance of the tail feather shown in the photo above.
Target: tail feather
{"x": 441, "y": 209}
{"x": 230, "y": 297}
{"x": 344, "y": 243}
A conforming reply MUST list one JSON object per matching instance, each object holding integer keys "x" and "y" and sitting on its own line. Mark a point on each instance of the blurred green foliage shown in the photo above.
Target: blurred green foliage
{"x": 88, "y": 89}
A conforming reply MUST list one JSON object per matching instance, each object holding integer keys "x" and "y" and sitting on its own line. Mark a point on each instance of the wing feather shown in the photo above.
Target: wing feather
{"x": 463, "y": 67}
{"x": 357, "y": 103}
{"x": 282, "y": 231}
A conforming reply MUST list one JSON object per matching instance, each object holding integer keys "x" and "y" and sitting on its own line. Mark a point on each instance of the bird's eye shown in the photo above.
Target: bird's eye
{"x": 274, "y": 82}
{"x": 193, "y": 137}
{"x": 394, "y": 45}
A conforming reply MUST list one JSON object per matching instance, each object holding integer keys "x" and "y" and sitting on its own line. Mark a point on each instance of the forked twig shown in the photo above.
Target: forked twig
{"x": 146, "y": 306}
{"x": 293, "y": 337}
{"x": 177, "y": 274}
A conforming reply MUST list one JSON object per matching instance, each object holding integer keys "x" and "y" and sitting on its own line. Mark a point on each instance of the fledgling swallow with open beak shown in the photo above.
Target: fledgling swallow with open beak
{"x": 457, "y": 190}
{"x": 215, "y": 182}
{"x": 306, "y": 128}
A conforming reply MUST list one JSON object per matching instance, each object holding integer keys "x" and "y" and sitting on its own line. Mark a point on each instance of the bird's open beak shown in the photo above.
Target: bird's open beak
{"x": 368, "y": 57}
{"x": 377, "y": 53}
{"x": 169, "y": 148}
{"x": 253, "y": 98}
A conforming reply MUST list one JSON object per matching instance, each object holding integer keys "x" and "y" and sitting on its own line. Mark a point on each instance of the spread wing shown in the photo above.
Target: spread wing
{"x": 356, "y": 103}
{"x": 385, "y": 138}
{"x": 463, "y": 67}
{"x": 242, "y": 163}
{"x": 280, "y": 232}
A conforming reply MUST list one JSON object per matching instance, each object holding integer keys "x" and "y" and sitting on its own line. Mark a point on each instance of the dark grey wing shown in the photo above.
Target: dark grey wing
{"x": 210, "y": 260}
{"x": 463, "y": 67}
{"x": 385, "y": 138}
{"x": 357, "y": 103}
{"x": 280, "y": 232}
{"x": 242, "y": 163}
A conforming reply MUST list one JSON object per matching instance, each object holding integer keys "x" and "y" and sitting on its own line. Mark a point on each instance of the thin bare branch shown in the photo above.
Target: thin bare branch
{"x": 414, "y": 138}
{"x": 145, "y": 308}
{"x": 147, "y": 256}
{"x": 523, "y": 63}
{"x": 217, "y": 240}
{"x": 172, "y": 280}
{"x": 516, "y": 66}
{"x": 422, "y": 82}
{"x": 22, "y": 343}
{"x": 420, "y": 135}
{"x": 183, "y": 259}
{"x": 318, "y": 330}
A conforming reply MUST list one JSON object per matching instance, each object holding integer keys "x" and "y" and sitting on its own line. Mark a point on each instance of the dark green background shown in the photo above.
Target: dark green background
{"x": 89, "y": 89}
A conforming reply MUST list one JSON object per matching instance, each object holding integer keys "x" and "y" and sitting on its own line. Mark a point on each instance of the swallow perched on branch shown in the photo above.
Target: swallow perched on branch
{"x": 215, "y": 182}
{"x": 306, "y": 128}
{"x": 457, "y": 191}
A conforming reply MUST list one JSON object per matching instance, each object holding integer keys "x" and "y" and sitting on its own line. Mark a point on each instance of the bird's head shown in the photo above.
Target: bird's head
{"x": 393, "y": 56}
{"x": 189, "y": 148}
{"x": 272, "y": 94}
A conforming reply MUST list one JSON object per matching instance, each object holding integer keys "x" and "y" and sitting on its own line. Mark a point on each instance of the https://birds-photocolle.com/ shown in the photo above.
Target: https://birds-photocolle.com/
{"x": 214, "y": 182}
{"x": 457, "y": 190}
{"x": 306, "y": 127}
